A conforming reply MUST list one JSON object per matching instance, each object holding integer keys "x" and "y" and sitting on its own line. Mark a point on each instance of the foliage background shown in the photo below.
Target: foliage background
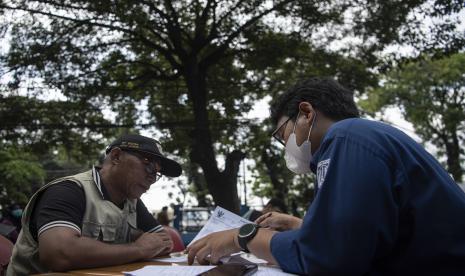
{"x": 192, "y": 69}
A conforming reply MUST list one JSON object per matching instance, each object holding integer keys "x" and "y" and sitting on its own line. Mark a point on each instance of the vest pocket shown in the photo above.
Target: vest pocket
{"x": 108, "y": 234}
{"x": 100, "y": 232}
{"x": 91, "y": 230}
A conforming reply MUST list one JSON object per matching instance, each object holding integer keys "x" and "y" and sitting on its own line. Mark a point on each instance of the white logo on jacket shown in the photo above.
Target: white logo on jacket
{"x": 321, "y": 170}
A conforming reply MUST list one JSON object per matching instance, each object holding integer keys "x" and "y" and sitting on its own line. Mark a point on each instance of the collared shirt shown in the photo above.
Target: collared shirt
{"x": 64, "y": 205}
{"x": 384, "y": 206}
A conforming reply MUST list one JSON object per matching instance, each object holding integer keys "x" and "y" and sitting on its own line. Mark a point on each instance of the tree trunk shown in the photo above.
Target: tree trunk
{"x": 197, "y": 179}
{"x": 222, "y": 185}
{"x": 453, "y": 157}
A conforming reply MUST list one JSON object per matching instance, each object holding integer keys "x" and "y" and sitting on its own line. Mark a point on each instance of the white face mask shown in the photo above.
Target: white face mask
{"x": 298, "y": 158}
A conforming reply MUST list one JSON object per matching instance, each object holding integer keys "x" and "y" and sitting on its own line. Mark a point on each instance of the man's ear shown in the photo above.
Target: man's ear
{"x": 115, "y": 155}
{"x": 307, "y": 109}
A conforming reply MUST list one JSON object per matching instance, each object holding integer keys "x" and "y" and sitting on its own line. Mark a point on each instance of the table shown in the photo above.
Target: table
{"x": 114, "y": 270}
{"x": 109, "y": 270}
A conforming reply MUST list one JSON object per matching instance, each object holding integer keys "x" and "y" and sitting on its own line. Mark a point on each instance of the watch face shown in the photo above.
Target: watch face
{"x": 246, "y": 229}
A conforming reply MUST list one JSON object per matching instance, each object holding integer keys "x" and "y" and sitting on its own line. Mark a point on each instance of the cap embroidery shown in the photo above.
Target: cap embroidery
{"x": 130, "y": 145}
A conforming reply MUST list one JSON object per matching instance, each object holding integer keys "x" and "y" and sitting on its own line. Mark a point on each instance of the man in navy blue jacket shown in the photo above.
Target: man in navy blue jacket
{"x": 384, "y": 206}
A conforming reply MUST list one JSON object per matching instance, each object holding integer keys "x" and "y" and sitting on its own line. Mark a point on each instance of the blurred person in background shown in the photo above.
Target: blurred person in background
{"x": 12, "y": 216}
{"x": 164, "y": 217}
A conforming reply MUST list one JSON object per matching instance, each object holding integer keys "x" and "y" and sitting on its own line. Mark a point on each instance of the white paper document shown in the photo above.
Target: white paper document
{"x": 182, "y": 258}
{"x": 220, "y": 220}
{"x": 270, "y": 271}
{"x": 252, "y": 258}
{"x": 162, "y": 270}
{"x": 188, "y": 270}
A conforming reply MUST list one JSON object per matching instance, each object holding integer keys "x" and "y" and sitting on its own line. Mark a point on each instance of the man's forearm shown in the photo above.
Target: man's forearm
{"x": 67, "y": 253}
{"x": 87, "y": 252}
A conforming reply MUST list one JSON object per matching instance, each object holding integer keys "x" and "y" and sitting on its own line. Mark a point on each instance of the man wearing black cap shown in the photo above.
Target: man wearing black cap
{"x": 96, "y": 218}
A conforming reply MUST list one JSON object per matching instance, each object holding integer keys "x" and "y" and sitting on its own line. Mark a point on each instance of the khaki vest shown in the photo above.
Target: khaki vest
{"x": 102, "y": 221}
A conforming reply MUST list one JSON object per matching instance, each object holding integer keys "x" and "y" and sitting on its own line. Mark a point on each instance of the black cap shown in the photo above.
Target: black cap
{"x": 149, "y": 146}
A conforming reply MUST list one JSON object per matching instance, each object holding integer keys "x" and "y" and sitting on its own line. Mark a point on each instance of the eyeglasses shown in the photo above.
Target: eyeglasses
{"x": 277, "y": 133}
{"x": 150, "y": 164}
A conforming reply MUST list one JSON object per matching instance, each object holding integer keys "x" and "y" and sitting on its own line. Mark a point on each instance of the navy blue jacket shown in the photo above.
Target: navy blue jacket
{"x": 384, "y": 206}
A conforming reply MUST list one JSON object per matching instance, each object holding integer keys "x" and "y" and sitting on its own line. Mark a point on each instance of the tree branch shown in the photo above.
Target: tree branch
{"x": 213, "y": 57}
{"x": 164, "y": 51}
{"x": 175, "y": 31}
{"x": 201, "y": 38}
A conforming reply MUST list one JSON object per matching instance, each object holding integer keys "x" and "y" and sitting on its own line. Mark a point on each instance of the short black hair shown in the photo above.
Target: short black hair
{"x": 325, "y": 94}
{"x": 277, "y": 203}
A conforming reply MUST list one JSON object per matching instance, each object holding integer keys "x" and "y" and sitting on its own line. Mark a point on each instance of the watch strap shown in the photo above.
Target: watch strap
{"x": 244, "y": 240}
{"x": 243, "y": 244}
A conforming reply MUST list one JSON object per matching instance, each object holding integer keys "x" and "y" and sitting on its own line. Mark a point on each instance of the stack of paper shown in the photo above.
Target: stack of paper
{"x": 161, "y": 270}
{"x": 221, "y": 220}
{"x": 187, "y": 270}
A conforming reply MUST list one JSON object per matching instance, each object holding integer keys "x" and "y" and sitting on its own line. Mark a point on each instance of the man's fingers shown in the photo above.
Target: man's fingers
{"x": 168, "y": 245}
{"x": 192, "y": 251}
{"x": 167, "y": 250}
{"x": 215, "y": 258}
{"x": 203, "y": 256}
{"x": 263, "y": 218}
{"x": 163, "y": 236}
{"x": 266, "y": 222}
{"x": 191, "y": 255}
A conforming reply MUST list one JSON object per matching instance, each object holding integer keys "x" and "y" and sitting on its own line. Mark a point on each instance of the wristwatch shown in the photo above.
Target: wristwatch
{"x": 246, "y": 233}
